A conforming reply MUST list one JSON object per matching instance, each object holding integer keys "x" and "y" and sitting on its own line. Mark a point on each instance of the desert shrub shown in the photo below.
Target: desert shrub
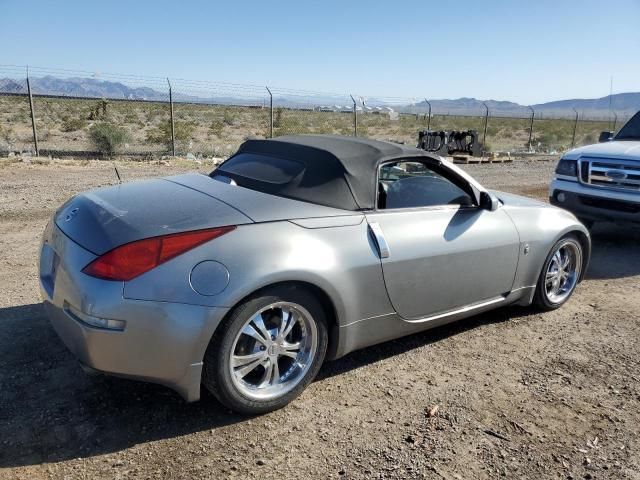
{"x": 492, "y": 131}
{"x": 44, "y": 134}
{"x": 7, "y": 133}
{"x": 363, "y": 131}
{"x": 130, "y": 117}
{"x": 107, "y": 138}
{"x": 227, "y": 117}
{"x": 216, "y": 127}
{"x": 99, "y": 110}
{"x": 72, "y": 124}
{"x": 161, "y": 134}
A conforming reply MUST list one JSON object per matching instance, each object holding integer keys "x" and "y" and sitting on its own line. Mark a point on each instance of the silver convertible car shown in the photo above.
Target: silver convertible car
{"x": 295, "y": 250}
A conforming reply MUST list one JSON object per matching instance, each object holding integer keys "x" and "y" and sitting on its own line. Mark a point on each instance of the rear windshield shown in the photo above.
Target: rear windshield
{"x": 321, "y": 182}
{"x": 261, "y": 168}
{"x": 631, "y": 130}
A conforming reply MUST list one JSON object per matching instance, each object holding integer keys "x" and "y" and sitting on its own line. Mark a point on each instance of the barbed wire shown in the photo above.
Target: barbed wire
{"x": 163, "y": 116}
{"x": 213, "y": 92}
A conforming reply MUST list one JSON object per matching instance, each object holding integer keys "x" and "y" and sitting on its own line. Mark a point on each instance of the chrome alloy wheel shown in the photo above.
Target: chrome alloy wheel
{"x": 563, "y": 272}
{"x": 273, "y": 351}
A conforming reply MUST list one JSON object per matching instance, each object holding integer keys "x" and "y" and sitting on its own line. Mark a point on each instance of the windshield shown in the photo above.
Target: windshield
{"x": 631, "y": 130}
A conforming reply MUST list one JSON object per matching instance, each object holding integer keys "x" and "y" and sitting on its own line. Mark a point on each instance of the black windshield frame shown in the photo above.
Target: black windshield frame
{"x": 630, "y": 130}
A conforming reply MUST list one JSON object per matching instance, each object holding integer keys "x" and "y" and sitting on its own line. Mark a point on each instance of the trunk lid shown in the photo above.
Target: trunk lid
{"x": 100, "y": 220}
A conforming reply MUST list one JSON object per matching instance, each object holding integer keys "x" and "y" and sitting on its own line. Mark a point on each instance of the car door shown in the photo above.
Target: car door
{"x": 440, "y": 251}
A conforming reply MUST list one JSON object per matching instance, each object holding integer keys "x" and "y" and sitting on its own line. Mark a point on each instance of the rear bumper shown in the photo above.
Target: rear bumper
{"x": 596, "y": 205}
{"x": 160, "y": 342}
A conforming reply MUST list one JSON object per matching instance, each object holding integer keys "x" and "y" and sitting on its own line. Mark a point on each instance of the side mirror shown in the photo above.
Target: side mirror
{"x": 605, "y": 137}
{"x": 489, "y": 201}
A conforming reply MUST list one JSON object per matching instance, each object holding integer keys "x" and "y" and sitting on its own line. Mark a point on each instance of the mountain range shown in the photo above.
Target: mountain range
{"x": 624, "y": 104}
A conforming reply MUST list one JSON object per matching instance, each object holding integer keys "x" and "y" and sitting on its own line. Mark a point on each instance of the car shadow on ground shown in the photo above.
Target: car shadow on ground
{"x": 53, "y": 411}
{"x": 615, "y": 251}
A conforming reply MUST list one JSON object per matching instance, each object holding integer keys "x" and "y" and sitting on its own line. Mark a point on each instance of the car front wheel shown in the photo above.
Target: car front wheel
{"x": 560, "y": 274}
{"x": 267, "y": 351}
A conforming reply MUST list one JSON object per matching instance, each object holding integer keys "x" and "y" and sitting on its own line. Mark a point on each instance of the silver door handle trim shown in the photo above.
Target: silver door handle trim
{"x": 383, "y": 247}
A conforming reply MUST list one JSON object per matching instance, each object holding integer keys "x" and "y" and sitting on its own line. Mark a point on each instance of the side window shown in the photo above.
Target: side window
{"x": 407, "y": 184}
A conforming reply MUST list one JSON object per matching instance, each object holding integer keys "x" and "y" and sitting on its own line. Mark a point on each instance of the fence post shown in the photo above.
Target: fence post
{"x": 429, "y": 119}
{"x": 173, "y": 127}
{"x": 33, "y": 117}
{"x": 355, "y": 117}
{"x": 486, "y": 119}
{"x": 270, "y": 112}
{"x": 575, "y": 126}
{"x": 533, "y": 114}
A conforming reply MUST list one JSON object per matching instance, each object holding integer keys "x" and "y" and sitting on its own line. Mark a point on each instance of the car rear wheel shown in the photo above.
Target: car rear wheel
{"x": 560, "y": 274}
{"x": 267, "y": 351}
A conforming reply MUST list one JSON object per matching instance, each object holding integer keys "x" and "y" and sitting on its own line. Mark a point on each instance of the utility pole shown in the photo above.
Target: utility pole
{"x": 33, "y": 116}
{"x": 533, "y": 114}
{"x": 575, "y": 127}
{"x": 486, "y": 119}
{"x": 173, "y": 127}
{"x": 355, "y": 117}
{"x": 429, "y": 119}
{"x": 270, "y": 112}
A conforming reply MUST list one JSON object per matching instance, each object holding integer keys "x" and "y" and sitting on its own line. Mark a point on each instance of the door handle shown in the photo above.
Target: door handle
{"x": 383, "y": 247}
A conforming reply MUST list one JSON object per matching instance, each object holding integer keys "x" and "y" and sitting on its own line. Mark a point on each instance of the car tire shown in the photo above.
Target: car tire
{"x": 244, "y": 334}
{"x": 550, "y": 295}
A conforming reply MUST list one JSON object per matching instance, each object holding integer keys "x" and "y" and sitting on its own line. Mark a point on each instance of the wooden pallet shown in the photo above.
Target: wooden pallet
{"x": 501, "y": 160}
{"x": 465, "y": 159}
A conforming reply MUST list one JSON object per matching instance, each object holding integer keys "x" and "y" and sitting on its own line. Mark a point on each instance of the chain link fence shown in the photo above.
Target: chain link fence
{"x": 58, "y": 113}
{"x": 15, "y": 115}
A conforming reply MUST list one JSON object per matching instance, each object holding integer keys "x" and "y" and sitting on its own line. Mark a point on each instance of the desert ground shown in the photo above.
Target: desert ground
{"x": 513, "y": 393}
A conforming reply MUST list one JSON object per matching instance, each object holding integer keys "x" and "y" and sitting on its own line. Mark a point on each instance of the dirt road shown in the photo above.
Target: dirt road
{"x": 519, "y": 394}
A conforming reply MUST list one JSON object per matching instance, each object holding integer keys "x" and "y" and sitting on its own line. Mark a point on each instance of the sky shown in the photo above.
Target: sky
{"x": 527, "y": 52}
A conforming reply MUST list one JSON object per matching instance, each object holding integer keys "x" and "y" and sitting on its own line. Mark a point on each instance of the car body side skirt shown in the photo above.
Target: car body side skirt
{"x": 382, "y": 328}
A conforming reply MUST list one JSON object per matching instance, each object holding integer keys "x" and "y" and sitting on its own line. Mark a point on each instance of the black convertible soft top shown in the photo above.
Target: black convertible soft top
{"x": 331, "y": 170}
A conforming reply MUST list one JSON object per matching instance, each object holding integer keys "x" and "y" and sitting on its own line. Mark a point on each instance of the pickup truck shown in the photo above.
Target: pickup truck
{"x": 601, "y": 182}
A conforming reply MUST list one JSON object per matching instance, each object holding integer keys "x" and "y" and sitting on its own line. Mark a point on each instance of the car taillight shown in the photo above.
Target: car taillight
{"x": 132, "y": 259}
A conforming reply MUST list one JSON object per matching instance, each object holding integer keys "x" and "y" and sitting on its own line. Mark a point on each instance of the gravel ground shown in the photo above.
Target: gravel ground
{"x": 511, "y": 393}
